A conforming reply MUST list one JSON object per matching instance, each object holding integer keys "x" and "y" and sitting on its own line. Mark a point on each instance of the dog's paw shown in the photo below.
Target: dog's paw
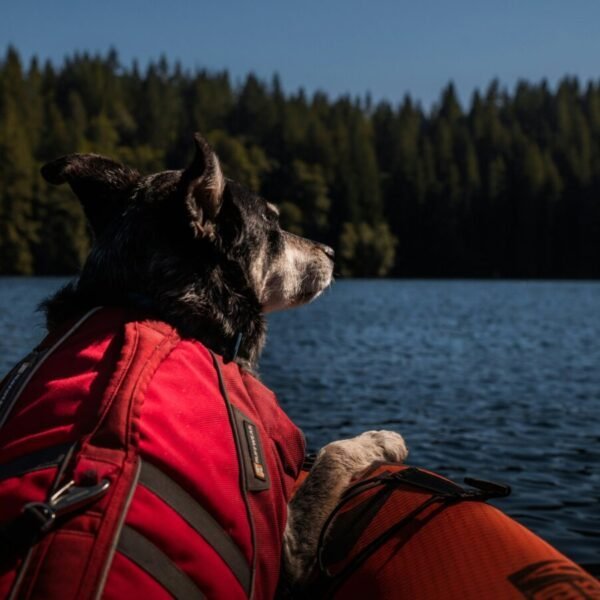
{"x": 360, "y": 452}
{"x": 336, "y": 466}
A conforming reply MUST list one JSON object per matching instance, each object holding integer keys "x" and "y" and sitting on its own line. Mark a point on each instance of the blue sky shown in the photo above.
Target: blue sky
{"x": 339, "y": 46}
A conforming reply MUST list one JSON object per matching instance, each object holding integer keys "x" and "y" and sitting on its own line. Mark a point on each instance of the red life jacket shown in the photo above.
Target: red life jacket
{"x": 178, "y": 468}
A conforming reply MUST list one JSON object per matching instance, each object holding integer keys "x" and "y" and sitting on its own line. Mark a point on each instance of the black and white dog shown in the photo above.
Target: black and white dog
{"x": 212, "y": 259}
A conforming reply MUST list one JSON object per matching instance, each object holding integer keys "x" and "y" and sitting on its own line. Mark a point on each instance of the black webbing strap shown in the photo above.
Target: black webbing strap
{"x": 156, "y": 563}
{"x": 426, "y": 481}
{"x": 42, "y": 459}
{"x": 443, "y": 492}
{"x": 12, "y": 385}
{"x": 199, "y": 519}
{"x": 350, "y": 525}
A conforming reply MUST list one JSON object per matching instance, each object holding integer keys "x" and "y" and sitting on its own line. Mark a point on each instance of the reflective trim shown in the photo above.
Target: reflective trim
{"x": 117, "y": 534}
{"x": 156, "y": 563}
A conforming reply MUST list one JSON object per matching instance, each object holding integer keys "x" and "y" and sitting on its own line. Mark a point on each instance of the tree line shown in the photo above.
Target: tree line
{"x": 508, "y": 187}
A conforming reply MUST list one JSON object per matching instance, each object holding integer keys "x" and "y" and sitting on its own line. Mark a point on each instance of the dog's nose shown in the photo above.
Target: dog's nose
{"x": 328, "y": 251}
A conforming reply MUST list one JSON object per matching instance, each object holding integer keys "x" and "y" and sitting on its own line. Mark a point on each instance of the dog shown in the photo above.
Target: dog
{"x": 211, "y": 259}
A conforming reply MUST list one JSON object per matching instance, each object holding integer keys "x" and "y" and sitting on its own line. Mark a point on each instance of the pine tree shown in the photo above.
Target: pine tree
{"x": 506, "y": 186}
{"x": 17, "y": 228}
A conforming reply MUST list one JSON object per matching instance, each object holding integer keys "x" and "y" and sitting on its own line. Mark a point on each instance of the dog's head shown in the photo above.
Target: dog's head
{"x": 200, "y": 247}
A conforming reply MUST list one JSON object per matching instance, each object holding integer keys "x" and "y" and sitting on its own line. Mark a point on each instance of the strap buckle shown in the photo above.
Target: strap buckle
{"x": 65, "y": 500}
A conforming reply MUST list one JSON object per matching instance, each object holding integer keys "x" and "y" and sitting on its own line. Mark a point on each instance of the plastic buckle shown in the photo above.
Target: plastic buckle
{"x": 42, "y": 514}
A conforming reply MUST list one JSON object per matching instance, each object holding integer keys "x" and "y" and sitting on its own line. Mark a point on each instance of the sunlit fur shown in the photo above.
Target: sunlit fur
{"x": 298, "y": 274}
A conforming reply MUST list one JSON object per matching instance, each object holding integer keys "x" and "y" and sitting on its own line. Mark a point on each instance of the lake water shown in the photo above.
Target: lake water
{"x": 493, "y": 379}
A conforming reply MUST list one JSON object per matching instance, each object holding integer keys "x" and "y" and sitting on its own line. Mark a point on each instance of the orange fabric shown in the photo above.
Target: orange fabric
{"x": 463, "y": 550}
{"x": 301, "y": 478}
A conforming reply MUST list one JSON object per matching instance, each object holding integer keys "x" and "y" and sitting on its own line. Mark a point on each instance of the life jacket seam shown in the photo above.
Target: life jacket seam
{"x": 110, "y": 401}
{"x": 145, "y": 376}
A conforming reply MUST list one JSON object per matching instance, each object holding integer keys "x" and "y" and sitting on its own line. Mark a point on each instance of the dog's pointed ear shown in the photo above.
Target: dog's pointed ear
{"x": 204, "y": 184}
{"x": 101, "y": 184}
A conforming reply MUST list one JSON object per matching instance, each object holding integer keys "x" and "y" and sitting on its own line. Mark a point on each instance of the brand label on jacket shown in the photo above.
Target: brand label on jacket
{"x": 253, "y": 447}
{"x": 255, "y": 467}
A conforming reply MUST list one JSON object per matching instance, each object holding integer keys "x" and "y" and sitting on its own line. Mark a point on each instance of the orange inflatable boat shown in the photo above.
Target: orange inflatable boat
{"x": 406, "y": 533}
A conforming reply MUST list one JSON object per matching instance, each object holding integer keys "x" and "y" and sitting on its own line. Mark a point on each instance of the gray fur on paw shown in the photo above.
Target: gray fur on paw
{"x": 360, "y": 452}
{"x": 336, "y": 465}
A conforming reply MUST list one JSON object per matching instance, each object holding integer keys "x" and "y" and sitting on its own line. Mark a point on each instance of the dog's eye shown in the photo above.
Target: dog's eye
{"x": 271, "y": 214}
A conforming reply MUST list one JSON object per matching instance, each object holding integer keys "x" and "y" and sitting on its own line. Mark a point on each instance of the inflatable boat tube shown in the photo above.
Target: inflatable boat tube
{"x": 407, "y": 533}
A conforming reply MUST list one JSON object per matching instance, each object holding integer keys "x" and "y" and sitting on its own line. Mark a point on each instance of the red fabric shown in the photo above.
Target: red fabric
{"x": 284, "y": 448}
{"x": 61, "y": 401}
{"x": 185, "y": 432}
{"x": 169, "y": 532}
{"x": 127, "y": 580}
{"x": 130, "y": 389}
{"x": 52, "y": 580}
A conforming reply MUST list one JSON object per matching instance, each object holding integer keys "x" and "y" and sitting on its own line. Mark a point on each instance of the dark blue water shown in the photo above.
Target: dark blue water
{"x": 493, "y": 379}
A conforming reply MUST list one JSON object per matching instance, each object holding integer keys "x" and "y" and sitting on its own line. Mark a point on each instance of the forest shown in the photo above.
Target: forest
{"x": 506, "y": 187}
